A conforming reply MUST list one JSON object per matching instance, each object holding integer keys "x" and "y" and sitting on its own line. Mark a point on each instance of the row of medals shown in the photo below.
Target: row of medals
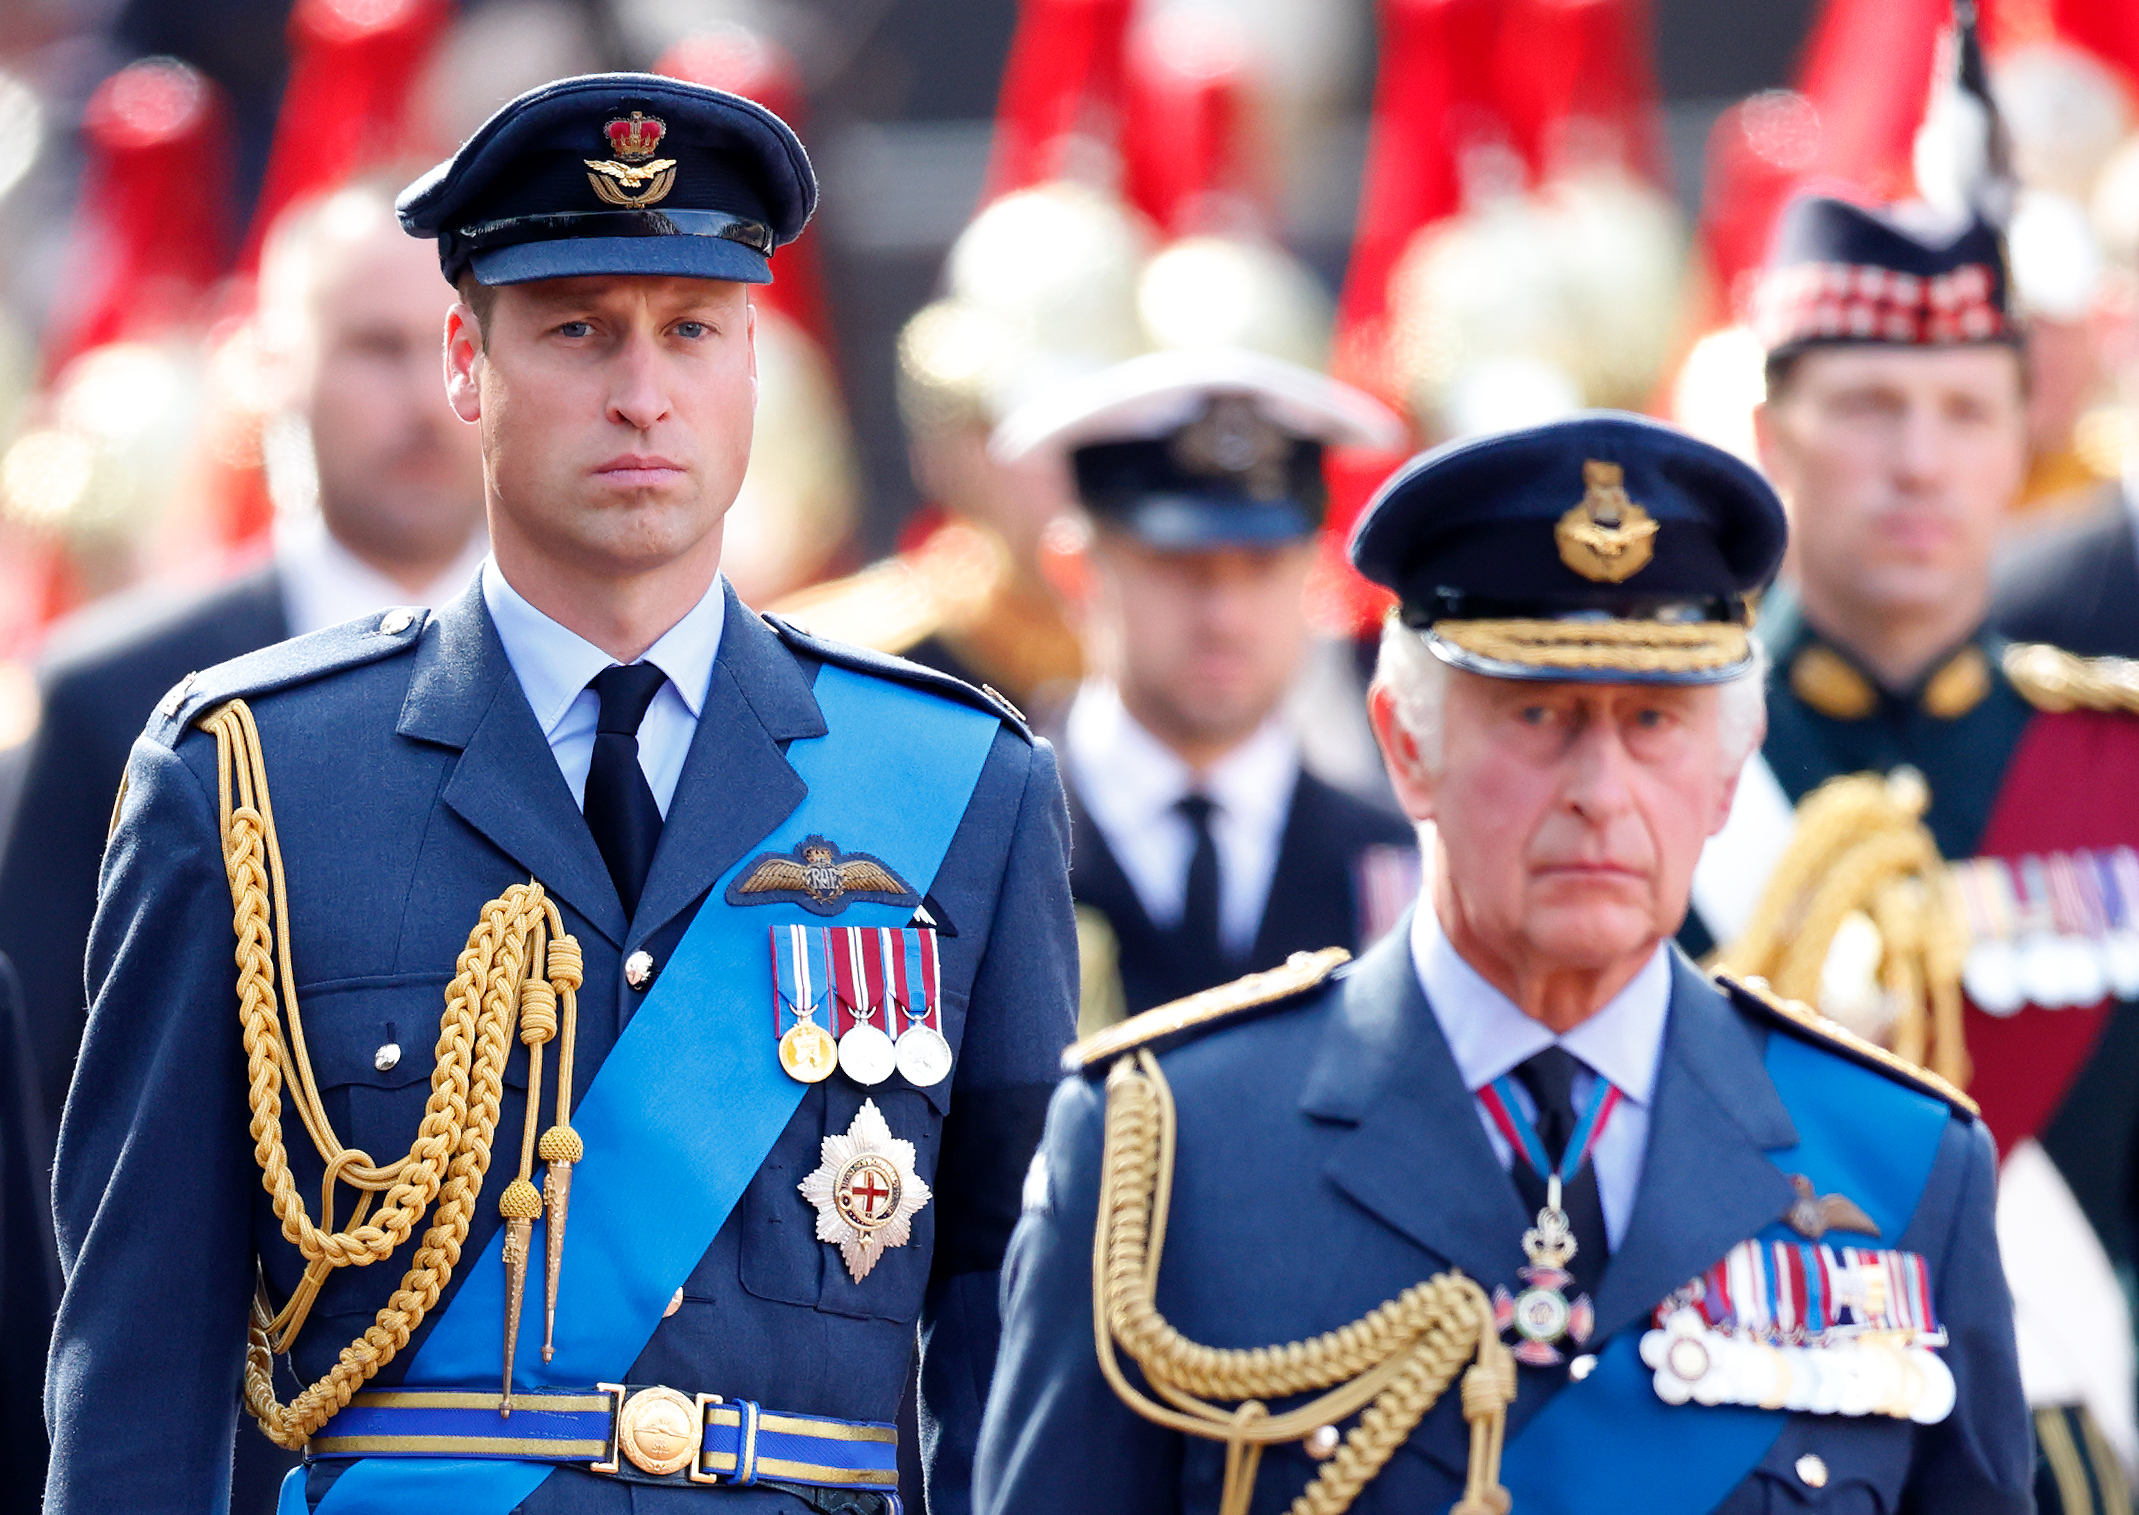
{"x": 865, "y": 1052}
{"x": 2054, "y": 966}
{"x": 1858, "y": 1375}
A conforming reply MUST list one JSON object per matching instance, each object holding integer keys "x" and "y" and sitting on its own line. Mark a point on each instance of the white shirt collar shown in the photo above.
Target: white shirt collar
{"x": 325, "y": 584}
{"x": 1128, "y": 778}
{"x": 1489, "y": 1036}
{"x": 555, "y": 663}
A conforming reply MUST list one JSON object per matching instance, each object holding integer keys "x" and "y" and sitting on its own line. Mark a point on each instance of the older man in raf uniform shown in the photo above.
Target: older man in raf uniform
{"x": 751, "y": 951}
{"x": 1699, "y": 1249}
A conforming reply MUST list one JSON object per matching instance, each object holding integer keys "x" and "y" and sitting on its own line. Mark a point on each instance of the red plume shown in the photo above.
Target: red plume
{"x": 1063, "y": 81}
{"x": 743, "y": 62}
{"x": 2107, "y": 28}
{"x": 153, "y": 231}
{"x": 354, "y": 68}
{"x": 1191, "y": 133}
{"x": 1576, "y": 85}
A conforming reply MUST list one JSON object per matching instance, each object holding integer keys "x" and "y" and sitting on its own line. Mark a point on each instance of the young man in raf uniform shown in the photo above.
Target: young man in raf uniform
{"x": 1645, "y": 1240}
{"x": 1200, "y": 848}
{"x": 752, "y": 952}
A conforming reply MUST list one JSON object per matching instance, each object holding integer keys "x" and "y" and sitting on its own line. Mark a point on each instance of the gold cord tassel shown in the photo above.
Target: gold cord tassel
{"x": 560, "y": 1146}
{"x": 450, "y": 1156}
{"x": 1394, "y": 1363}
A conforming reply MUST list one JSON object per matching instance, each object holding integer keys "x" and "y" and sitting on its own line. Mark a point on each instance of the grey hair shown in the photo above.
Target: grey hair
{"x": 1417, "y": 681}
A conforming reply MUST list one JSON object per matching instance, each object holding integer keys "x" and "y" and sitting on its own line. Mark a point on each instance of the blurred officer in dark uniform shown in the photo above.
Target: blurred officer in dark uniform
{"x": 1201, "y": 849}
{"x": 1895, "y": 427}
{"x": 29, "y": 1268}
{"x": 1521, "y": 1171}
{"x": 350, "y": 308}
{"x": 759, "y": 948}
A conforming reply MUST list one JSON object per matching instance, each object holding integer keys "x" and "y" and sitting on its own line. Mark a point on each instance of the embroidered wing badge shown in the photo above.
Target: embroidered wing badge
{"x": 820, "y": 878}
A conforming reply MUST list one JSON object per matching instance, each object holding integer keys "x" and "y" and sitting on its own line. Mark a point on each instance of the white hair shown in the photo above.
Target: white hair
{"x": 1417, "y": 681}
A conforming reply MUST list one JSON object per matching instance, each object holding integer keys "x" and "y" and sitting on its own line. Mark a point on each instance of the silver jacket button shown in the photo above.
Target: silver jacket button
{"x": 387, "y": 1057}
{"x": 1812, "y": 1468}
{"x": 396, "y": 621}
{"x": 639, "y": 969}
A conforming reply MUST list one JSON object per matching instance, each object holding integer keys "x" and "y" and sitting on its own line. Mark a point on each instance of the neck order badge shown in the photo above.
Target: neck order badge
{"x": 690, "y": 1099}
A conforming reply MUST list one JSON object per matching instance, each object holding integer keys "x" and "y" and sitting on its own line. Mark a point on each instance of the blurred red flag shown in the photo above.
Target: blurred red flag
{"x": 744, "y": 62}
{"x": 354, "y": 68}
{"x": 1063, "y": 81}
{"x": 152, "y": 234}
{"x": 1195, "y": 158}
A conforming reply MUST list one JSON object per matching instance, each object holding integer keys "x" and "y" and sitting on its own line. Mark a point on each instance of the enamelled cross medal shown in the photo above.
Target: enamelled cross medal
{"x": 1543, "y": 1315}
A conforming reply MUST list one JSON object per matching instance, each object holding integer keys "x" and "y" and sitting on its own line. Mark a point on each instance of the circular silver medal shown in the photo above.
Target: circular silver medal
{"x": 866, "y": 1054}
{"x": 2042, "y": 971}
{"x": 924, "y": 1056}
{"x": 1991, "y": 975}
{"x": 2120, "y": 963}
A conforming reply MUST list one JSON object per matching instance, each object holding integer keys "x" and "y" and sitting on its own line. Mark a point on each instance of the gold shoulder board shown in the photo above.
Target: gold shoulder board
{"x": 1801, "y": 1019}
{"x": 2052, "y": 679}
{"x": 1301, "y": 972}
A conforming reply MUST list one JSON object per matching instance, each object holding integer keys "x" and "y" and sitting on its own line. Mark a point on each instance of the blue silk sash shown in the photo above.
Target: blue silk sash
{"x": 687, "y": 1104}
{"x": 1609, "y": 1439}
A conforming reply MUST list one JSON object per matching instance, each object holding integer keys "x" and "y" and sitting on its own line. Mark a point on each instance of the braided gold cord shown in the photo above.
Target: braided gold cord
{"x": 451, "y": 1152}
{"x": 1622, "y": 646}
{"x": 1396, "y": 1361}
{"x": 1861, "y": 846}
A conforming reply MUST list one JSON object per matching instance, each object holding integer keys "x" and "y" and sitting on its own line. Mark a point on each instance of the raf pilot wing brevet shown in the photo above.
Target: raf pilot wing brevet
{"x": 820, "y": 878}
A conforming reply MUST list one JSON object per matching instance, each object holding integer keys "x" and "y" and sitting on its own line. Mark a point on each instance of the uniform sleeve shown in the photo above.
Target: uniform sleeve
{"x": 1980, "y": 1459}
{"x": 1023, "y": 1013}
{"x": 154, "y": 1180}
{"x": 1057, "y": 1438}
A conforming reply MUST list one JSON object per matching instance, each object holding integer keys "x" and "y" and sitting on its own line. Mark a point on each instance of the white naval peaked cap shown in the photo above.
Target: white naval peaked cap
{"x": 1155, "y": 395}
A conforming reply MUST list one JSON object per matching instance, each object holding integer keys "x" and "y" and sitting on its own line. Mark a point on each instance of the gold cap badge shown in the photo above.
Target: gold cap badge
{"x": 1606, "y": 536}
{"x": 630, "y": 178}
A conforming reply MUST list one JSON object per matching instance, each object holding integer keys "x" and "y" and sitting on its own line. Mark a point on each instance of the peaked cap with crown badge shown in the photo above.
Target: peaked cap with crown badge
{"x": 1605, "y": 547}
{"x": 617, "y": 174}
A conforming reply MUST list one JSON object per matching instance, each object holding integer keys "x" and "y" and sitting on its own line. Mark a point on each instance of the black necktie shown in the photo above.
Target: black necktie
{"x": 620, "y": 806}
{"x": 1203, "y": 958}
{"x": 1550, "y": 1078}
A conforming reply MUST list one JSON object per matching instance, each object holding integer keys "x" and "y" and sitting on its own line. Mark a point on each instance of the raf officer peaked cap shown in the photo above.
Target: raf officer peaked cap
{"x": 617, "y": 174}
{"x": 1190, "y": 450}
{"x": 1906, "y": 275}
{"x": 1603, "y": 547}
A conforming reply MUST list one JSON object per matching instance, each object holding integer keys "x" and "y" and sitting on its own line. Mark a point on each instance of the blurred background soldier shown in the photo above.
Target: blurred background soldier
{"x": 382, "y": 498}
{"x": 1896, "y": 429}
{"x": 1200, "y": 848}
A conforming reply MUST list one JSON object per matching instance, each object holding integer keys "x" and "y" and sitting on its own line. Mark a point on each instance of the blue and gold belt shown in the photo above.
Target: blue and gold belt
{"x": 640, "y": 1433}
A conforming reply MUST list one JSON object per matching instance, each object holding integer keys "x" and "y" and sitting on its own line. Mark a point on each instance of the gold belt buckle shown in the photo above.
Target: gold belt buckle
{"x": 658, "y": 1430}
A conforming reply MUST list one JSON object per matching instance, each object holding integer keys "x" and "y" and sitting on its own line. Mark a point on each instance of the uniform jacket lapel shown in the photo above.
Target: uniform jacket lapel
{"x": 1707, "y": 1182}
{"x": 1417, "y": 1157}
{"x": 736, "y": 783}
{"x": 507, "y": 784}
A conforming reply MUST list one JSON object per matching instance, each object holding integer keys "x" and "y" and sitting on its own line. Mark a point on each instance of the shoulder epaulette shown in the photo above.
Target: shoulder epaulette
{"x": 1200, "y": 1012}
{"x": 297, "y": 661}
{"x": 2051, "y": 679}
{"x": 942, "y": 584}
{"x": 1801, "y": 1020}
{"x": 885, "y": 666}
{"x": 886, "y": 607}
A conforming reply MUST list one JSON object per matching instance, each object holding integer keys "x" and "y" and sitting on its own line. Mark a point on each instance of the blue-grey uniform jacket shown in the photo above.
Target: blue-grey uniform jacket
{"x": 1329, "y": 1157}
{"x": 411, "y": 784}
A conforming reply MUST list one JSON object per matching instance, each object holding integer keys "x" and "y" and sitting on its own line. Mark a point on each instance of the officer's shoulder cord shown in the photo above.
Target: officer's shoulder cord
{"x": 518, "y": 965}
{"x": 1860, "y": 845}
{"x": 1401, "y": 1356}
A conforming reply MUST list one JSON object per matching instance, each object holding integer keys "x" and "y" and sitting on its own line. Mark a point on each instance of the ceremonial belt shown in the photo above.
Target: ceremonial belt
{"x": 1610, "y": 1433}
{"x": 602, "y": 1429}
{"x": 684, "y": 1109}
